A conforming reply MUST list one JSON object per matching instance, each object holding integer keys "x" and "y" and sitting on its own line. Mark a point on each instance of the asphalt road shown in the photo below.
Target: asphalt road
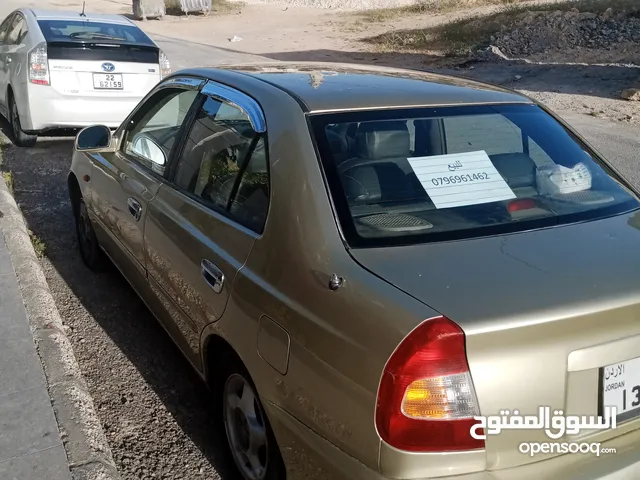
{"x": 153, "y": 407}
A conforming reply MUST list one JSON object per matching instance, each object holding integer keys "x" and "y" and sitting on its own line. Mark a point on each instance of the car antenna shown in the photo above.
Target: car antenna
{"x": 83, "y": 6}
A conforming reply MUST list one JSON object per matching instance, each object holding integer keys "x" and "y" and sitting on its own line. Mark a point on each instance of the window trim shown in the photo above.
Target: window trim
{"x": 251, "y": 108}
{"x": 240, "y": 100}
{"x": 342, "y": 213}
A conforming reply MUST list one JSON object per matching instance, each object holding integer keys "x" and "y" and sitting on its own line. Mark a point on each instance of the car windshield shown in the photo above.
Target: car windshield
{"x": 434, "y": 174}
{"x": 85, "y": 30}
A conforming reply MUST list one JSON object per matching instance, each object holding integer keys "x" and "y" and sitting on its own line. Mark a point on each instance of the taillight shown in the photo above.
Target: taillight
{"x": 165, "y": 66}
{"x": 39, "y": 65}
{"x": 521, "y": 204}
{"x": 426, "y": 399}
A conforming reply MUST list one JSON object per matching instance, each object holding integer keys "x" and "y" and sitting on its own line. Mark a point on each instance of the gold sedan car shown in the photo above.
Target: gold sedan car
{"x": 381, "y": 274}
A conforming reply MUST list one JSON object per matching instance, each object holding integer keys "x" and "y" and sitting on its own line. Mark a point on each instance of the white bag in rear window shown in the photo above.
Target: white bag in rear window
{"x": 460, "y": 179}
{"x": 556, "y": 179}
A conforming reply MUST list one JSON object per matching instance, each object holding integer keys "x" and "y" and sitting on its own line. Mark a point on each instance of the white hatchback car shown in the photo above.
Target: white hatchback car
{"x": 71, "y": 70}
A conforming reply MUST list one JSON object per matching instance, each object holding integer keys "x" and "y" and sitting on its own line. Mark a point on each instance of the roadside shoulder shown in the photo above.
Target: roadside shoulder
{"x": 88, "y": 451}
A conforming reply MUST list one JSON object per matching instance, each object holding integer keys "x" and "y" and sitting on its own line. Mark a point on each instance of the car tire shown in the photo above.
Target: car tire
{"x": 20, "y": 139}
{"x": 90, "y": 251}
{"x": 248, "y": 432}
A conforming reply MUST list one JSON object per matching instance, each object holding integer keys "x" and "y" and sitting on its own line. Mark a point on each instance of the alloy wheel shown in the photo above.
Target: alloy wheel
{"x": 245, "y": 426}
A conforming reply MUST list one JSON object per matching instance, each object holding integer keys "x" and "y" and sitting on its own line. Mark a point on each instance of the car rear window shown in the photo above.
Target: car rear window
{"x": 435, "y": 174}
{"x": 90, "y": 31}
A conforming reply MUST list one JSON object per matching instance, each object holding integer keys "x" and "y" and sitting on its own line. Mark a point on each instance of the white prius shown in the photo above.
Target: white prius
{"x": 73, "y": 69}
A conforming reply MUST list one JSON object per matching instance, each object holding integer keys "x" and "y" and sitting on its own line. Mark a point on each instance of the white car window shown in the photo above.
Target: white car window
{"x": 4, "y": 28}
{"x": 15, "y": 35}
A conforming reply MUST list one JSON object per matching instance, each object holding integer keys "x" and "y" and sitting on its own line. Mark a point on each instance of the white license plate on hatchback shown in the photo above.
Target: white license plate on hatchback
{"x": 107, "y": 81}
{"x": 621, "y": 388}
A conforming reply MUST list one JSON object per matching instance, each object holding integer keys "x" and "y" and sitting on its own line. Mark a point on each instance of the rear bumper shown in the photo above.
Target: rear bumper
{"x": 309, "y": 456}
{"x": 46, "y": 109}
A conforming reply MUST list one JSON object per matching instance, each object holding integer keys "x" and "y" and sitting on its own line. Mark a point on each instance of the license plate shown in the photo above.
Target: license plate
{"x": 621, "y": 388}
{"x": 107, "y": 81}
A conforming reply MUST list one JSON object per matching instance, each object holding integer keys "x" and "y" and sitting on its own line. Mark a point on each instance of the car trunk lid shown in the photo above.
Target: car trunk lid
{"x": 542, "y": 311}
{"x": 103, "y": 69}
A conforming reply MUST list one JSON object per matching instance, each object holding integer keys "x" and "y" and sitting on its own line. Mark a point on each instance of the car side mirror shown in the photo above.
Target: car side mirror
{"x": 95, "y": 137}
{"x": 145, "y": 147}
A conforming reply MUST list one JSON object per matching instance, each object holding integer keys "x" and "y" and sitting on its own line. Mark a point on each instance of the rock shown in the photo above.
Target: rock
{"x": 631, "y": 94}
{"x": 490, "y": 54}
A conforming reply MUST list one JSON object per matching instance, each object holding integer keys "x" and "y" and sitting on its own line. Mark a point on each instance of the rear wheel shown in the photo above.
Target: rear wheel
{"x": 20, "y": 138}
{"x": 90, "y": 251}
{"x": 249, "y": 435}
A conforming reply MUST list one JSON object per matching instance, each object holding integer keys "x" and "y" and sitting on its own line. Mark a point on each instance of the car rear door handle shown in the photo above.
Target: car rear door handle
{"x": 212, "y": 275}
{"x": 135, "y": 209}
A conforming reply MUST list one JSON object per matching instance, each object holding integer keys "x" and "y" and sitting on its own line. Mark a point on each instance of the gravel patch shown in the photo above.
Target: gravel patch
{"x": 337, "y": 4}
{"x": 573, "y": 33}
{"x": 154, "y": 409}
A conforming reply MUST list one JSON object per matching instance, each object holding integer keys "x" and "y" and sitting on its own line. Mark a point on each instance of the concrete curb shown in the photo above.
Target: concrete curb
{"x": 88, "y": 451}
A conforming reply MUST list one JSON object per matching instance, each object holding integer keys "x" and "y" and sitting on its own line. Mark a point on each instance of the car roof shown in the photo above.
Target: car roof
{"x": 336, "y": 87}
{"x": 76, "y": 15}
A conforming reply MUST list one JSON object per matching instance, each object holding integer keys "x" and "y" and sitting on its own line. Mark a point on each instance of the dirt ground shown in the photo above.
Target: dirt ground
{"x": 564, "y": 82}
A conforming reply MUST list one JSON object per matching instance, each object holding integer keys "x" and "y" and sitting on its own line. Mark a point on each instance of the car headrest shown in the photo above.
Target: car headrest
{"x": 337, "y": 144}
{"x": 376, "y": 140}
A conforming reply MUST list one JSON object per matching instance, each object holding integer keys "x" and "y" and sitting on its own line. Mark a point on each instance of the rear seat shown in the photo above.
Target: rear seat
{"x": 376, "y": 174}
{"x": 379, "y": 172}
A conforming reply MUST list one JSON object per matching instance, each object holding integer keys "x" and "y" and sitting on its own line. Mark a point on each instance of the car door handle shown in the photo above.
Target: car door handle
{"x": 135, "y": 209}
{"x": 212, "y": 275}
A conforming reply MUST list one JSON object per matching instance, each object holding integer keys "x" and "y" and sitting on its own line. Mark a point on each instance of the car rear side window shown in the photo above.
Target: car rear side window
{"x": 17, "y": 32}
{"x": 412, "y": 176}
{"x": 224, "y": 164}
{"x": 4, "y": 27}
{"x": 83, "y": 31}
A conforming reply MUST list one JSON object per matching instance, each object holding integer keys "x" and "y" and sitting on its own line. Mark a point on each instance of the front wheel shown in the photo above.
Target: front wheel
{"x": 90, "y": 251}
{"x": 20, "y": 139}
{"x": 249, "y": 435}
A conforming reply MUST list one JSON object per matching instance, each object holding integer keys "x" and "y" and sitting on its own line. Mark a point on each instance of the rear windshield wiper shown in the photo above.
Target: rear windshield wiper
{"x": 92, "y": 35}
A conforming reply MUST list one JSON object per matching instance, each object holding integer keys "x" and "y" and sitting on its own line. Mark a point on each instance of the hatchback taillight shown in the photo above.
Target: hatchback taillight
{"x": 426, "y": 400}
{"x": 39, "y": 65}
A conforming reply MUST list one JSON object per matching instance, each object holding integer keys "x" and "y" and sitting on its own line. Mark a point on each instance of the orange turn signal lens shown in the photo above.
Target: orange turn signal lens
{"x": 448, "y": 397}
{"x": 423, "y": 399}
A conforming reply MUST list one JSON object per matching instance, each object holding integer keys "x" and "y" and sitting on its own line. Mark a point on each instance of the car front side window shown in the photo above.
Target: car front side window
{"x": 153, "y": 130}
{"x": 215, "y": 153}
